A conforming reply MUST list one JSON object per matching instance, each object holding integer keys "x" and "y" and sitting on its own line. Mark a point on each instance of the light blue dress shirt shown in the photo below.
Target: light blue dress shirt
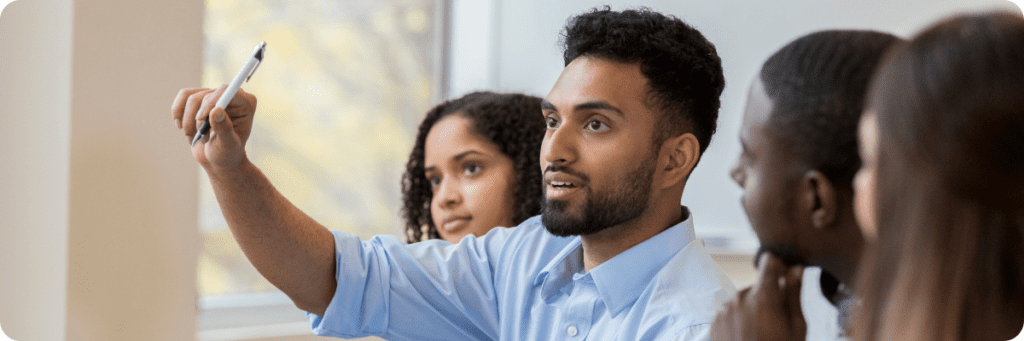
{"x": 523, "y": 283}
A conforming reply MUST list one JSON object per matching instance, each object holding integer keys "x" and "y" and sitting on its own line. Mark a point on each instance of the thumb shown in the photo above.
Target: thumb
{"x": 222, "y": 135}
{"x": 794, "y": 283}
{"x": 770, "y": 278}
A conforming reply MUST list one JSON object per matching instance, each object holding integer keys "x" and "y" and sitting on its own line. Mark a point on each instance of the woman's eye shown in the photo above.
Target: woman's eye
{"x": 434, "y": 181}
{"x": 552, "y": 122}
{"x": 471, "y": 169}
{"x": 597, "y": 126}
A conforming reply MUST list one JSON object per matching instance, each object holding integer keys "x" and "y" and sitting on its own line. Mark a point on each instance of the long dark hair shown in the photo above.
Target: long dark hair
{"x": 949, "y": 106}
{"x": 511, "y": 121}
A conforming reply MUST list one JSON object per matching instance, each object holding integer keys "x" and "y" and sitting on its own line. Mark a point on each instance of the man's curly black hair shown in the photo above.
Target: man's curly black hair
{"x": 682, "y": 67}
{"x": 511, "y": 121}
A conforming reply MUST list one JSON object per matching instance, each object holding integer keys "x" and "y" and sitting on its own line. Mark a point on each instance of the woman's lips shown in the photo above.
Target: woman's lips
{"x": 455, "y": 223}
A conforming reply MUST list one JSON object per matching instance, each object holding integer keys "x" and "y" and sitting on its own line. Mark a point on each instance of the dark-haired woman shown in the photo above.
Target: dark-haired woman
{"x": 940, "y": 191}
{"x": 474, "y": 166}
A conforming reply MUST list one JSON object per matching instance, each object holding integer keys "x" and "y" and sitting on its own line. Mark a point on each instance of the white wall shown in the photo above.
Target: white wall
{"x": 473, "y": 46}
{"x": 745, "y": 33}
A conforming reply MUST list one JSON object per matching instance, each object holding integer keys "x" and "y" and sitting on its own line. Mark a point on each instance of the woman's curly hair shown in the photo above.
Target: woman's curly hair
{"x": 511, "y": 121}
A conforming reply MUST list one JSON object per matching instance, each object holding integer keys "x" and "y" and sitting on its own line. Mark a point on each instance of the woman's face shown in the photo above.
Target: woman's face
{"x": 864, "y": 183}
{"x": 472, "y": 181}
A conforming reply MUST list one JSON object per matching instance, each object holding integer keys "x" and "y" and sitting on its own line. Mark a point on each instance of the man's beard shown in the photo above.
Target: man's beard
{"x": 626, "y": 201}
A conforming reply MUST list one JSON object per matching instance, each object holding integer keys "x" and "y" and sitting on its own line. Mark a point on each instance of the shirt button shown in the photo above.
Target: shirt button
{"x": 572, "y": 331}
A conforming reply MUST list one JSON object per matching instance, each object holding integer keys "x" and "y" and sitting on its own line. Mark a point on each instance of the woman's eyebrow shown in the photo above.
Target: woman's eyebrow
{"x": 458, "y": 157}
{"x": 462, "y": 155}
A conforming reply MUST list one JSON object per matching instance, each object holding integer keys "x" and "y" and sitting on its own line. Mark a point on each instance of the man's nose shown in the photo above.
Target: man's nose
{"x": 560, "y": 146}
{"x": 736, "y": 173}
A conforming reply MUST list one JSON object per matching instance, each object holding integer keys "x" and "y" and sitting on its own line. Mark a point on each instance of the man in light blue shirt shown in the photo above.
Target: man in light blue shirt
{"x": 523, "y": 283}
{"x": 611, "y": 257}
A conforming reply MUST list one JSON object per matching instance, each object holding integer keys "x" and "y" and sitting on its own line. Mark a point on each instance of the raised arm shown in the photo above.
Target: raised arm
{"x": 286, "y": 246}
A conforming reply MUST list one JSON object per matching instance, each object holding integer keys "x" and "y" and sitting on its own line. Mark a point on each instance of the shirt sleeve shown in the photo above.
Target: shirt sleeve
{"x": 427, "y": 290}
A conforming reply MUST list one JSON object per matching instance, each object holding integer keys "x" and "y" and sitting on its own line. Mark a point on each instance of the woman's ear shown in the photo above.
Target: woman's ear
{"x": 819, "y": 198}
{"x": 680, "y": 156}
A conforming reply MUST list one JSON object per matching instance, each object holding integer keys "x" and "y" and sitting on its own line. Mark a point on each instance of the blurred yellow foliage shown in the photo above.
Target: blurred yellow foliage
{"x": 341, "y": 92}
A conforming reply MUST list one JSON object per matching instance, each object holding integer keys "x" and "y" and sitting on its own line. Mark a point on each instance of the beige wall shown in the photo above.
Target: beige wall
{"x": 35, "y": 76}
{"x": 98, "y": 233}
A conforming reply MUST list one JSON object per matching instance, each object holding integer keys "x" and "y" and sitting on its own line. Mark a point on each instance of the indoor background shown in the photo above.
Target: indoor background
{"x": 108, "y": 229}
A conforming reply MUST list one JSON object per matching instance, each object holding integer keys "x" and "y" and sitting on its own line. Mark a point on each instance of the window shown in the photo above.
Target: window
{"x": 341, "y": 92}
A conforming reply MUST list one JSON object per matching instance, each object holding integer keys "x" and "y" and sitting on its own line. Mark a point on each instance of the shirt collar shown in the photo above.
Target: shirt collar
{"x": 619, "y": 280}
{"x": 557, "y": 274}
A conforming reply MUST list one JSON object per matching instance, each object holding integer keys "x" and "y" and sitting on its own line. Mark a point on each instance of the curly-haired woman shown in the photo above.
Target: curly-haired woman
{"x": 475, "y": 166}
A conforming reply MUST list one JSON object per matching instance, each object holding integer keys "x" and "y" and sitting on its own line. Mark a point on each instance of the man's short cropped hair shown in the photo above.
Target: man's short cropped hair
{"x": 817, "y": 84}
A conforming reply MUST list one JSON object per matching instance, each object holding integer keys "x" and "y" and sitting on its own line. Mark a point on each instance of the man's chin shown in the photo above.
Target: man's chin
{"x": 556, "y": 220}
{"x": 786, "y": 254}
{"x": 563, "y": 221}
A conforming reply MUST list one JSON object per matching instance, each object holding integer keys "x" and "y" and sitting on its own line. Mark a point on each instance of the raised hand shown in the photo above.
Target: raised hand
{"x": 770, "y": 310}
{"x": 224, "y": 146}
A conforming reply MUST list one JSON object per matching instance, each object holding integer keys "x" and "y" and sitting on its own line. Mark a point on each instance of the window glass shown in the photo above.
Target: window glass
{"x": 341, "y": 91}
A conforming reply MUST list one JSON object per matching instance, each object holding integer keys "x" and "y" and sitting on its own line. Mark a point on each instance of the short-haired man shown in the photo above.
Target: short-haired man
{"x": 798, "y": 160}
{"x": 612, "y": 256}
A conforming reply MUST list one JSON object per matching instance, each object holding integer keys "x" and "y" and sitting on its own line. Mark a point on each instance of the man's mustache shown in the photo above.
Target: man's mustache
{"x": 567, "y": 170}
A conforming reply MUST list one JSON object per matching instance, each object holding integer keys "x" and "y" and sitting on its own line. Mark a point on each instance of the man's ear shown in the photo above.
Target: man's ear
{"x": 819, "y": 198}
{"x": 681, "y": 155}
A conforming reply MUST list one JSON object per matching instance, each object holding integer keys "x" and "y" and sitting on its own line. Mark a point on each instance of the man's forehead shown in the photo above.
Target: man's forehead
{"x": 597, "y": 80}
{"x": 758, "y": 107}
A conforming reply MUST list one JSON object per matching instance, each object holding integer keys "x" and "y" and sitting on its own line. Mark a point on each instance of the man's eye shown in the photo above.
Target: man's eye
{"x": 552, "y": 122}
{"x": 597, "y": 126}
{"x": 471, "y": 169}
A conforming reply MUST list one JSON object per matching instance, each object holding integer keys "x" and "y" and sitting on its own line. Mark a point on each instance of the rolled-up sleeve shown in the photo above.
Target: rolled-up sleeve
{"x": 426, "y": 290}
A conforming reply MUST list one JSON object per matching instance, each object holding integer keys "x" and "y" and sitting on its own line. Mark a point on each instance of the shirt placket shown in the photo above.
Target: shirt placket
{"x": 578, "y": 313}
